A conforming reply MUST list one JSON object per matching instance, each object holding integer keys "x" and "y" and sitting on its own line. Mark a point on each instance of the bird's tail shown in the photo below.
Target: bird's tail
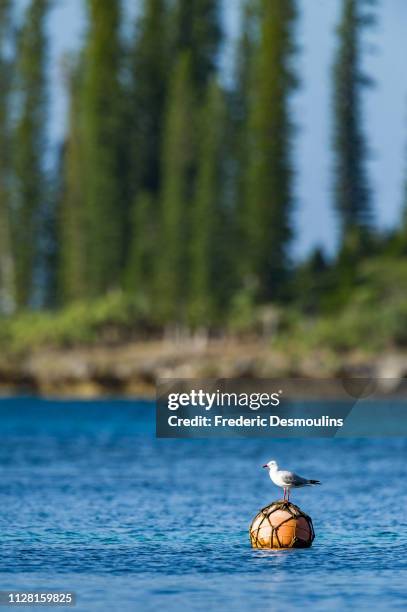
{"x": 314, "y": 482}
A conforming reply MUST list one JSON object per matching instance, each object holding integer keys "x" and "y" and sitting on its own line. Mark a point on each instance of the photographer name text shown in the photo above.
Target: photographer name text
{"x": 271, "y": 420}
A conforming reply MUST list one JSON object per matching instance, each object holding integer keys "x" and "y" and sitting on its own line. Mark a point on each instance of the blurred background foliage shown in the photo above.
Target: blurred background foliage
{"x": 170, "y": 203}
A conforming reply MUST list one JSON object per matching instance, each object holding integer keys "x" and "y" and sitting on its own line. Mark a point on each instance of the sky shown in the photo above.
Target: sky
{"x": 385, "y": 107}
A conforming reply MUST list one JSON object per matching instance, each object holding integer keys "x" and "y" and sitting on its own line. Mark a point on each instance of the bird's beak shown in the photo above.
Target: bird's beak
{"x": 265, "y": 465}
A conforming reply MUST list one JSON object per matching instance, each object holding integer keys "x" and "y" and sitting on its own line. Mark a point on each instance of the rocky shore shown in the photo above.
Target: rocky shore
{"x": 133, "y": 369}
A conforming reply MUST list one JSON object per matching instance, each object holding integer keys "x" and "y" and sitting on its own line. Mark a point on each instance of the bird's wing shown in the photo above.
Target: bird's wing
{"x": 289, "y": 478}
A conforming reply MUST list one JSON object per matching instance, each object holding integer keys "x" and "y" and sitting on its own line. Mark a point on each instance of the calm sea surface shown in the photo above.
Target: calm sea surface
{"x": 91, "y": 502}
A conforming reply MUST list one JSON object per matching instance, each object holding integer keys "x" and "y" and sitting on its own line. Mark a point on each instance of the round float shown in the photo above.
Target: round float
{"x": 281, "y": 525}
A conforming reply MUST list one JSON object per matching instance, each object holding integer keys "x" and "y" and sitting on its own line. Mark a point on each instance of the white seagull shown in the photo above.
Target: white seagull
{"x": 287, "y": 480}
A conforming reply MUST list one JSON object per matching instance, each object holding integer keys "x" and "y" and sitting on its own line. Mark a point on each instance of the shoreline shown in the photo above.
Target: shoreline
{"x": 132, "y": 370}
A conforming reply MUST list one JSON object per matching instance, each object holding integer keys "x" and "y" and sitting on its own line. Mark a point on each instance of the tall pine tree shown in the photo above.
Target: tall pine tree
{"x": 141, "y": 265}
{"x": 207, "y": 217}
{"x": 179, "y": 155}
{"x": 149, "y": 61}
{"x": 29, "y": 144}
{"x": 73, "y": 228}
{"x": 194, "y": 48}
{"x": 6, "y": 257}
{"x": 102, "y": 111}
{"x": 196, "y": 29}
{"x": 351, "y": 187}
{"x": 240, "y": 110}
{"x": 269, "y": 197}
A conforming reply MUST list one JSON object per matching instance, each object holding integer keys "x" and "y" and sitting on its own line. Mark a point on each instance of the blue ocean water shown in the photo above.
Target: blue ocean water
{"x": 91, "y": 502}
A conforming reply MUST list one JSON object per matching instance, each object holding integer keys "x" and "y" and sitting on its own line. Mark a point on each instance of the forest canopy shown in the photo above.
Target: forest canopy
{"x": 170, "y": 203}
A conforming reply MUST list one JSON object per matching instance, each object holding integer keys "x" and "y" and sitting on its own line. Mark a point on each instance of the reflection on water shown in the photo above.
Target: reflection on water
{"x": 92, "y": 502}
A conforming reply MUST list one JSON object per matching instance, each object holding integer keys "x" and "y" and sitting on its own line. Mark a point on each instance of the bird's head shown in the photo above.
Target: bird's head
{"x": 271, "y": 465}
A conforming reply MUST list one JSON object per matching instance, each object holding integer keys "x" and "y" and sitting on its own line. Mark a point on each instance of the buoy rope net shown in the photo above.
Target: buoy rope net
{"x": 294, "y": 513}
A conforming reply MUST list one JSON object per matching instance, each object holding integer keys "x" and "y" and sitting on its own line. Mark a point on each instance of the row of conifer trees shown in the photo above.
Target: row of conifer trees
{"x": 174, "y": 183}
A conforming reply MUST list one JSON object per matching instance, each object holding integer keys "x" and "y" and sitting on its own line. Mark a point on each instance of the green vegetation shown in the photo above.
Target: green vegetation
{"x": 101, "y": 148}
{"x": 352, "y": 193}
{"x": 72, "y": 218}
{"x": 269, "y": 185}
{"x": 6, "y": 255}
{"x": 178, "y": 160}
{"x": 170, "y": 204}
{"x": 29, "y": 139}
{"x": 196, "y": 30}
{"x": 149, "y": 63}
{"x": 373, "y": 319}
{"x": 113, "y": 318}
{"x": 145, "y": 107}
{"x": 208, "y": 218}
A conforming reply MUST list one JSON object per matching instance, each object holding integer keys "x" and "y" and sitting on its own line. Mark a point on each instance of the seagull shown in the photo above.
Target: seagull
{"x": 287, "y": 480}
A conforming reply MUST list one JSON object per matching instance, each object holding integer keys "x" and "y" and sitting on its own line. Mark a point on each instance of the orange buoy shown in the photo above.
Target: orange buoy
{"x": 281, "y": 525}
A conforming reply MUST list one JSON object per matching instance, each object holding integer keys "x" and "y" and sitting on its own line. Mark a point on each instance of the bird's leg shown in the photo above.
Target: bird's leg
{"x": 288, "y": 494}
{"x": 284, "y": 493}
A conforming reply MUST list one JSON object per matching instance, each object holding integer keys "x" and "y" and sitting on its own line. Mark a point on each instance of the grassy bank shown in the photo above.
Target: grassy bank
{"x": 111, "y": 344}
{"x": 105, "y": 321}
{"x": 370, "y": 316}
